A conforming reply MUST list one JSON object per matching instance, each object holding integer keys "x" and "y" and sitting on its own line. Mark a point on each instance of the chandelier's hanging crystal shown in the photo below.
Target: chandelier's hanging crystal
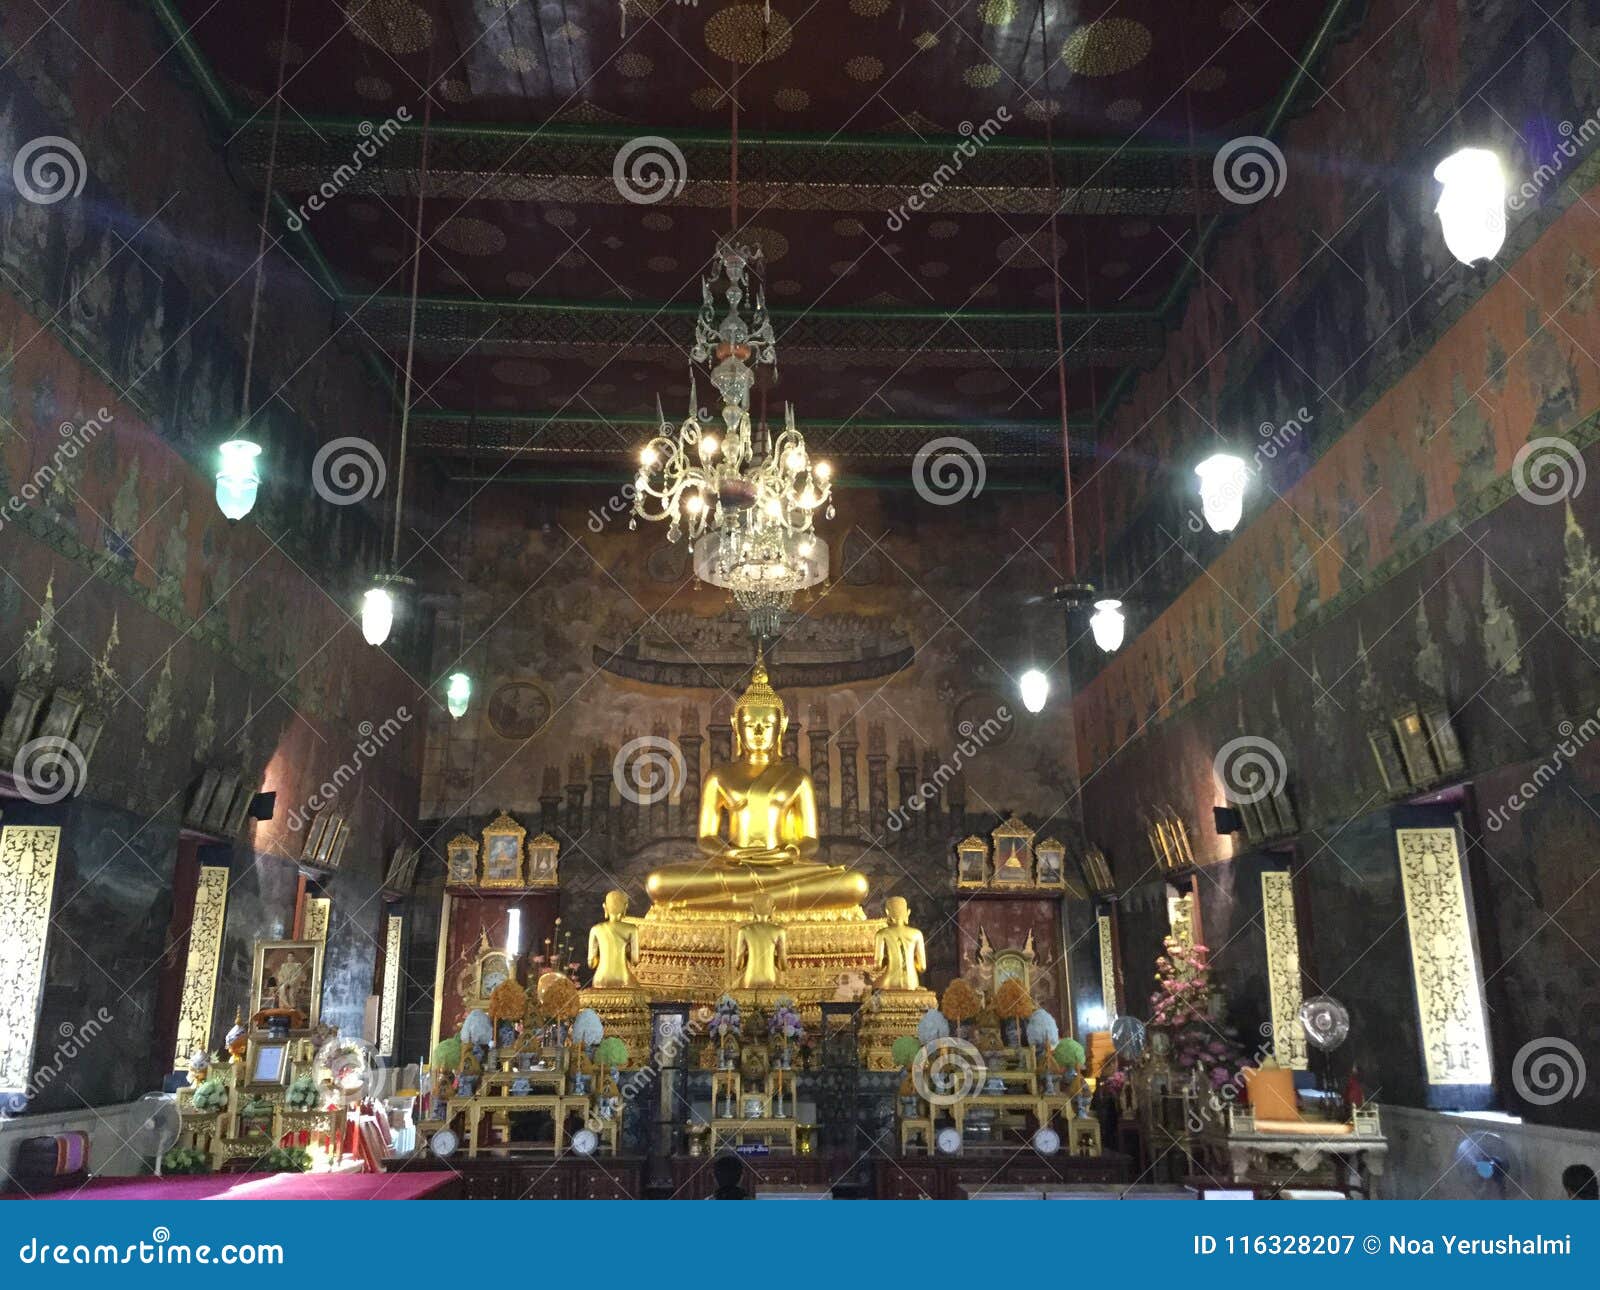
{"x": 745, "y": 507}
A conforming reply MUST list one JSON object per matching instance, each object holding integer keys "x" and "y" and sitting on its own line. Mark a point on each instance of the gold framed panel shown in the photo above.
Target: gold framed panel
{"x": 318, "y": 917}
{"x": 1444, "y": 960}
{"x": 1386, "y": 753}
{"x": 544, "y": 854}
{"x": 289, "y": 974}
{"x": 461, "y": 861}
{"x": 196, "y": 1003}
{"x": 267, "y": 1064}
{"x": 27, "y": 889}
{"x": 1283, "y": 968}
{"x": 1442, "y": 741}
{"x": 1414, "y": 750}
{"x": 1108, "y": 968}
{"x": 972, "y": 862}
{"x": 1013, "y": 854}
{"x": 504, "y": 850}
{"x": 388, "y": 1018}
{"x": 319, "y": 826}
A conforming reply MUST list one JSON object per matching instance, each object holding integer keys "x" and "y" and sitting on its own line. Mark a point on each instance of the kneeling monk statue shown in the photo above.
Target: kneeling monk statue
{"x": 771, "y": 810}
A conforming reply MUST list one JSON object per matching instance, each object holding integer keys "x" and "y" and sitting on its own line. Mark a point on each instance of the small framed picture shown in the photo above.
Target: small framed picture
{"x": 1387, "y": 754}
{"x": 1414, "y": 751}
{"x": 461, "y": 860}
{"x": 267, "y": 1063}
{"x": 1443, "y": 742}
{"x": 319, "y": 826}
{"x": 221, "y": 800}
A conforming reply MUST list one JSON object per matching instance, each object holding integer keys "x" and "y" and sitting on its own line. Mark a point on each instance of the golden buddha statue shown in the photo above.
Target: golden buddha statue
{"x": 771, "y": 810}
{"x": 760, "y": 950}
{"x": 898, "y": 948}
{"x": 614, "y": 945}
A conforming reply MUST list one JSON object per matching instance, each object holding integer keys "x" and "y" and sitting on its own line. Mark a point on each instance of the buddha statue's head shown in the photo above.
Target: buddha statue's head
{"x": 758, "y": 718}
{"x": 896, "y": 911}
{"x": 761, "y": 906}
{"x": 616, "y": 903}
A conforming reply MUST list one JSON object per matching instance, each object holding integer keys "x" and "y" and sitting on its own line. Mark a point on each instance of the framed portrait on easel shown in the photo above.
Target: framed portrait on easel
{"x": 288, "y": 975}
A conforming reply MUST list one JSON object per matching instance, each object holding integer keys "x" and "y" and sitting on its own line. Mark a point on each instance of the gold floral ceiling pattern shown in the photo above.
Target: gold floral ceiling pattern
{"x": 741, "y": 34}
{"x": 1106, "y": 47}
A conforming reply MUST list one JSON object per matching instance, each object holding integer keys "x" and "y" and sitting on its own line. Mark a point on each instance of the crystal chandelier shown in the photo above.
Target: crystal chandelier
{"x": 745, "y": 506}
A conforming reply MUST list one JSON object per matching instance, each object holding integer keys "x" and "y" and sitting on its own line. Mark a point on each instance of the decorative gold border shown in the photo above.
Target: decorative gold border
{"x": 27, "y": 888}
{"x": 1283, "y": 968}
{"x": 1108, "y": 969}
{"x": 200, "y": 968}
{"x": 973, "y": 845}
{"x": 544, "y": 840}
{"x": 390, "y": 1007}
{"x": 253, "y": 1052}
{"x": 318, "y": 917}
{"x": 504, "y": 826}
{"x": 1444, "y": 961}
{"x": 460, "y": 845}
{"x": 314, "y": 1009}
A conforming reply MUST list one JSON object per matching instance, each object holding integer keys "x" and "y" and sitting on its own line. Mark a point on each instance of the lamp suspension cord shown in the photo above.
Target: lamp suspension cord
{"x": 266, "y": 212}
{"x": 411, "y": 336}
{"x": 1071, "y": 542}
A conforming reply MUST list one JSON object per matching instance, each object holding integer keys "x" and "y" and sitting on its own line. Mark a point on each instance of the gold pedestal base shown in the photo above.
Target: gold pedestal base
{"x": 892, "y": 1013}
{"x": 626, "y": 1013}
{"x": 688, "y": 957}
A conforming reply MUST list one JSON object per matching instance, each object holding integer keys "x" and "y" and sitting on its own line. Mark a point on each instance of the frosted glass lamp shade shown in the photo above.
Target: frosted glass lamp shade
{"x": 1108, "y": 625}
{"x": 1472, "y": 207}
{"x": 377, "y": 615}
{"x": 238, "y": 478}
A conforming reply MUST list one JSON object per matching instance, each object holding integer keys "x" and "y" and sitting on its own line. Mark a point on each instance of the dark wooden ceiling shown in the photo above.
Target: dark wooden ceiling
{"x": 555, "y": 308}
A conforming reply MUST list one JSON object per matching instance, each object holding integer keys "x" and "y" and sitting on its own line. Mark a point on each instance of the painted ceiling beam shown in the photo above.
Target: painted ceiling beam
{"x": 873, "y": 174}
{"x": 493, "y": 437}
{"x": 645, "y": 330}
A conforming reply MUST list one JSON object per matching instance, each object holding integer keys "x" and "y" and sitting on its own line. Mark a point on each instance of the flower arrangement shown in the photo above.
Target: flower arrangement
{"x": 1011, "y": 1000}
{"x": 1182, "y": 1003}
{"x": 612, "y": 1051}
{"x": 210, "y": 1095}
{"x": 508, "y": 1002}
{"x": 476, "y": 1029}
{"x": 933, "y": 1027}
{"x": 284, "y": 1160}
{"x": 1069, "y": 1055}
{"x": 587, "y": 1028}
{"x": 905, "y": 1050}
{"x": 1042, "y": 1029}
{"x": 559, "y": 997}
{"x": 725, "y": 1024}
{"x": 785, "y": 1022}
{"x": 446, "y": 1055}
{"x": 302, "y": 1094}
{"x": 186, "y": 1160}
{"x": 960, "y": 1003}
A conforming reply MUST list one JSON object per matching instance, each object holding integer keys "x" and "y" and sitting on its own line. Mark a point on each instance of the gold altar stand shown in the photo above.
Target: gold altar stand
{"x": 689, "y": 955}
{"x": 754, "y": 1114}
{"x": 889, "y": 1014}
{"x": 626, "y": 1014}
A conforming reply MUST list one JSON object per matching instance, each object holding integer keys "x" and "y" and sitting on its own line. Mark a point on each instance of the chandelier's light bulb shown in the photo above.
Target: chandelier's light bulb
{"x": 773, "y": 509}
{"x": 1472, "y": 207}
{"x": 808, "y": 498}
{"x": 238, "y": 480}
{"x": 695, "y": 503}
{"x": 1222, "y": 482}
{"x": 796, "y": 460}
{"x": 807, "y": 546}
{"x": 1035, "y": 688}
{"x": 377, "y": 615}
{"x": 823, "y": 470}
{"x": 648, "y": 457}
{"x": 709, "y": 446}
{"x": 458, "y": 693}
{"x": 1108, "y": 625}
